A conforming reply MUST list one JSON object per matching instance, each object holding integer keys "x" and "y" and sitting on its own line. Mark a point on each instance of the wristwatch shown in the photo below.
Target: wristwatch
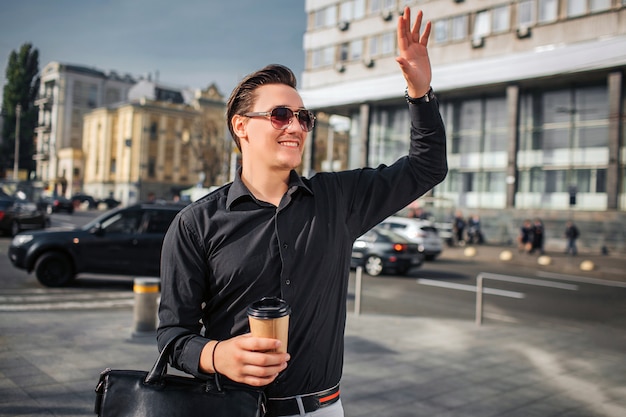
{"x": 430, "y": 95}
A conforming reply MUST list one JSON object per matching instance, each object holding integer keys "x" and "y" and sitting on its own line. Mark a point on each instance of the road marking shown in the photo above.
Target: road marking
{"x": 69, "y": 305}
{"x": 470, "y": 288}
{"x": 45, "y": 300}
{"x": 585, "y": 280}
{"x": 529, "y": 281}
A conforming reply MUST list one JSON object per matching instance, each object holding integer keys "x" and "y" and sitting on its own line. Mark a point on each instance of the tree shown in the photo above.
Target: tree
{"x": 22, "y": 87}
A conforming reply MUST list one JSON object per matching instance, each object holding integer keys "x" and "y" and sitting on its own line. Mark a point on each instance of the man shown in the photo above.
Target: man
{"x": 273, "y": 233}
{"x": 571, "y": 234}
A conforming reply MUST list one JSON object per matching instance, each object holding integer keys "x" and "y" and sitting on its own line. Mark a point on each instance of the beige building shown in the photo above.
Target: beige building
{"x": 66, "y": 93}
{"x": 160, "y": 141}
{"x": 531, "y": 91}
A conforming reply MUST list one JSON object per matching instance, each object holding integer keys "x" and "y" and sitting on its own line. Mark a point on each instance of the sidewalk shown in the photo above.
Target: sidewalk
{"x": 609, "y": 267}
{"x": 394, "y": 366}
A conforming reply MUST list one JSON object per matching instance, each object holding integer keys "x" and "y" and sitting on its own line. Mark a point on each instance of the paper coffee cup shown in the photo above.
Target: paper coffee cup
{"x": 269, "y": 317}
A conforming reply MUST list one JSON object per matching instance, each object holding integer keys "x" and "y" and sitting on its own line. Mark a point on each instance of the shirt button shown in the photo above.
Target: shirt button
{"x": 285, "y": 246}
{"x": 287, "y": 282}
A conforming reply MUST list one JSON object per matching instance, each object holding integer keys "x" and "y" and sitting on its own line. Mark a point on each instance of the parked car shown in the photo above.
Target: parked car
{"x": 110, "y": 202}
{"x": 18, "y": 214}
{"x": 380, "y": 250}
{"x": 80, "y": 199}
{"x": 56, "y": 204}
{"x": 422, "y": 232}
{"x": 124, "y": 241}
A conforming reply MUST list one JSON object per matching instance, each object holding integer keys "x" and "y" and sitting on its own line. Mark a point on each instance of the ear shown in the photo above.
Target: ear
{"x": 240, "y": 125}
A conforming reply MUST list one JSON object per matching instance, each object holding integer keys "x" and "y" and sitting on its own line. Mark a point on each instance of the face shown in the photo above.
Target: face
{"x": 263, "y": 144}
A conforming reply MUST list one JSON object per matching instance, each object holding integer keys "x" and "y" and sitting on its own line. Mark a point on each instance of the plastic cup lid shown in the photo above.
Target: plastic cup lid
{"x": 269, "y": 308}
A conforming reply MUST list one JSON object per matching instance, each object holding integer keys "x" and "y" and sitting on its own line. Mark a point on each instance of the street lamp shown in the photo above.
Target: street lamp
{"x": 16, "y": 161}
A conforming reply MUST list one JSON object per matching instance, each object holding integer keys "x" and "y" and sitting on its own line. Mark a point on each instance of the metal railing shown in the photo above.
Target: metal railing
{"x": 507, "y": 278}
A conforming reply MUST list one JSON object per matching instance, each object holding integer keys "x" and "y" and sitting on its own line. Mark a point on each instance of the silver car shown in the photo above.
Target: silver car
{"x": 422, "y": 232}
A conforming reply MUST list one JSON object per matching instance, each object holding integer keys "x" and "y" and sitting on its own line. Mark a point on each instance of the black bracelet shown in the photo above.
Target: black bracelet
{"x": 213, "y": 357}
{"x": 424, "y": 99}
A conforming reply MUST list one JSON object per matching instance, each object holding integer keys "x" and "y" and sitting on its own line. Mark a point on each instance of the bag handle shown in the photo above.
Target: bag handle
{"x": 159, "y": 369}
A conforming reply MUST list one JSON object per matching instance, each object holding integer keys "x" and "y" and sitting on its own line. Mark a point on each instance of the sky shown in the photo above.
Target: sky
{"x": 188, "y": 43}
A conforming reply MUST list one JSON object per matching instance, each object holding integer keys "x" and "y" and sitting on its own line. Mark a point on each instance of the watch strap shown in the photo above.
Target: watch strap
{"x": 430, "y": 95}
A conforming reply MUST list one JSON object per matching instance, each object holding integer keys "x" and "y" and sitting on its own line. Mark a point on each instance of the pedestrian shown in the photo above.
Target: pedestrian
{"x": 571, "y": 234}
{"x": 273, "y": 233}
{"x": 474, "y": 234}
{"x": 524, "y": 239}
{"x": 459, "y": 228}
{"x": 537, "y": 237}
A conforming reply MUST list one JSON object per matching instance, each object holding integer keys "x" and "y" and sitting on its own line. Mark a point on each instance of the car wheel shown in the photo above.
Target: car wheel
{"x": 53, "y": 269}
{"x": 374, "y": 265}
{"x": 15, "y": 227}
{"x": 430, "y": 257}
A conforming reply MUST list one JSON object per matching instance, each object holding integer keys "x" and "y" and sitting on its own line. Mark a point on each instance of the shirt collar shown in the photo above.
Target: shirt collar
{"x": 238, "y": 190}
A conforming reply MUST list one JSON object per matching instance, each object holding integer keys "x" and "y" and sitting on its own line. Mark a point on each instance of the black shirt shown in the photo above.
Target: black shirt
{"x": 229, "y": 249}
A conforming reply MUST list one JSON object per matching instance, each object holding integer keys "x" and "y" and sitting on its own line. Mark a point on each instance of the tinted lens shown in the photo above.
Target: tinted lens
{"x": 281, "y": 117}
{"x": 306, "y": 120}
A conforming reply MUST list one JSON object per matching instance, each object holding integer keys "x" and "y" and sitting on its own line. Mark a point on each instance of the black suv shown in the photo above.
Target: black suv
{"x": 125, "y": 241}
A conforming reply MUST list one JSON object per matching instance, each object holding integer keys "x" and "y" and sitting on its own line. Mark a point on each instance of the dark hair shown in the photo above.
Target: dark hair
{"x": 242, "y": 98}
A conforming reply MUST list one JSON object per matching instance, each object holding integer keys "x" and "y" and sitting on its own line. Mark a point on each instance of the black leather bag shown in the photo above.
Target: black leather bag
{"x": 128, "y": 393}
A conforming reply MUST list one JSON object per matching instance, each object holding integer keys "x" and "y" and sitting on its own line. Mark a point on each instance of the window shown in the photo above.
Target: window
{"x": 375, "y": 6}
{"x": 356, "y": 49}
{"x": 343, "y": 52}
{"x": 442, "y": 29}
{"x": 152, "y": 168}
{"x": 359, "y": 9}
{"x": 325, "y": 17}
{"x": 328, "y": 56}
{"x": 482, "y": 25}
{"x": 525, "y": 13}
{"x": 601, "y": 5}
{"x": 113, "y": 166}
{"x": 153, "y": 130}
{"x": 459, "y": 27}
{"x": 346, "y": 11}
{"x": 496, "y": 126}
{"x": 576, "y": 8}
{"x": 470, "y": 131}
{"x": 157, "y": 221}
{"x": 92, "y": 100}
{"x": 126, "y": 222}
{"x": 374, "y": 46}
{"x": 501, "y": 18}
{"x": 548, "y": 11}
{"x": 388, "y": 43}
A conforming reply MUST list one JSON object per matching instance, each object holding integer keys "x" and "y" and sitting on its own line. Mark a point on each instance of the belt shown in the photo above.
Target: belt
{"x": 308, "y": 403}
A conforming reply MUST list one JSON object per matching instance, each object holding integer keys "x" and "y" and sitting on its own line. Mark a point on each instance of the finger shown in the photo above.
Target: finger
{"x": 426, "y": 34}
{"x": 415, "y": 32}
{"x": 259, "y": 344}
{"x": 404, "y": 29}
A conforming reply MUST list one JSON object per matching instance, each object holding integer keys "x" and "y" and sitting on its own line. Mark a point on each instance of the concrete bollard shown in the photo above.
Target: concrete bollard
{"x": 544, "y": 260}
{"x": 470, "y": 252}
{"x": 587, "y": 266}
{"x": 506, "y": 255}
{"x": 147, "y": 291}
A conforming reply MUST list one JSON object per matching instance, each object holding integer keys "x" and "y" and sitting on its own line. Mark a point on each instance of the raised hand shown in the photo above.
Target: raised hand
{"x": 413, "y": 58}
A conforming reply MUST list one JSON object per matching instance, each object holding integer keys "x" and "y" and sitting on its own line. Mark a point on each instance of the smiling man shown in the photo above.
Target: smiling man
{"x": 272, "y": 233}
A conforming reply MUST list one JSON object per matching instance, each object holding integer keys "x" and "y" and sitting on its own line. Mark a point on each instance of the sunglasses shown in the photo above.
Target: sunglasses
{"x": 281, "y": 117}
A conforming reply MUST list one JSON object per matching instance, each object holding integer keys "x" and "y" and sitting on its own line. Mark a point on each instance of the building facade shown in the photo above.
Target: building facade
{"x": 160, "y": 141}
{"x": 66, "y": 93}
{"x": 531, "y": 91}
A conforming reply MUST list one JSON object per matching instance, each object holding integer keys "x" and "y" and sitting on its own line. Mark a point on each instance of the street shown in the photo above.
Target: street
{"x": 550, "y": 346}
{"x": 444, "y": 288}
